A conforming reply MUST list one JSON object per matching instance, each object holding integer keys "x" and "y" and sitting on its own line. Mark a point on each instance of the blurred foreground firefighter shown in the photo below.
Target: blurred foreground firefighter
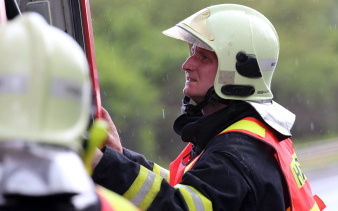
{"x": 45, "y": 93}
{"x": 239, "y": 155}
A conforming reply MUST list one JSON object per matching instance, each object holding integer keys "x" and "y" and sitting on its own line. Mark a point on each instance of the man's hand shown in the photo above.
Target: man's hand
{"x": 113, "y": 136}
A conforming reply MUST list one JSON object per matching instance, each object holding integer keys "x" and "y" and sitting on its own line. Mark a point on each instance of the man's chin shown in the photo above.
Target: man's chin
{"x": 196, "y": 99}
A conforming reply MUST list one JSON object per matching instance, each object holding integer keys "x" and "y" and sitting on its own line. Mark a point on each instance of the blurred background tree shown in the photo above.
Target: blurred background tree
{"x": 141, "y": 77}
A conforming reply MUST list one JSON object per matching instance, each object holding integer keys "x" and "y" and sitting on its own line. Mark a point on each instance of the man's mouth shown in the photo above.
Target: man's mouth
{"x": 190, "y": 80}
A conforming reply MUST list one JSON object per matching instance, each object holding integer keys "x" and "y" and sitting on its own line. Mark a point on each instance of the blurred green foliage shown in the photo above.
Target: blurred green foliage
{"x": 141, "y": 77}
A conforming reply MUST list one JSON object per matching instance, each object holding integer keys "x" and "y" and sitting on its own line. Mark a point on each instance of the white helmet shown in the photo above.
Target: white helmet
{"x": 245, "y": 42}
{"x": 45, "y": 90}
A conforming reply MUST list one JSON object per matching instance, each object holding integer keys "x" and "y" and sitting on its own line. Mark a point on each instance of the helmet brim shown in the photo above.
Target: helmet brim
{"x": 180, "y": 33}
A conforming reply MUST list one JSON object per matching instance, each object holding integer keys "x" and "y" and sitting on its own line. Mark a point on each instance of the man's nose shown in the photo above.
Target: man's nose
{"x": 188, "y": 65}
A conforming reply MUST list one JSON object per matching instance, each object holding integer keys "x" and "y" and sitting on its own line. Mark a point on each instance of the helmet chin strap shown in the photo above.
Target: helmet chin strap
{"x": 196, "y": 110}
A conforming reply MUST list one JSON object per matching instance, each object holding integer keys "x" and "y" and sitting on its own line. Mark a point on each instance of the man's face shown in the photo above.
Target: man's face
{"x": 200, "y": 72}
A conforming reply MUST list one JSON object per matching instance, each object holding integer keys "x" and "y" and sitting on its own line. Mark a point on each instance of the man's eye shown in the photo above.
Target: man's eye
{"x": 204, "y": 57}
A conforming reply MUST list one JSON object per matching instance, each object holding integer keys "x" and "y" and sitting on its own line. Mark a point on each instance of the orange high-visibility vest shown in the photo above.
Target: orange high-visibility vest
{"x": 299, "y": 188}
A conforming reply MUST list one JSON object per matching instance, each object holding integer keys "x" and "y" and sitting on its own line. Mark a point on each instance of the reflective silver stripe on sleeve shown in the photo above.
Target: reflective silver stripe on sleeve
{"x": 194, "y": 199}
{"x": 144, "y": 188}
{"x": 164, "y": 173}
{"x": 161, "y": 171}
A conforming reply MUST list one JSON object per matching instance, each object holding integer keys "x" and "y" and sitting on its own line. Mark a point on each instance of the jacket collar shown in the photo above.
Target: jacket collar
{"x": 201, "y": 130}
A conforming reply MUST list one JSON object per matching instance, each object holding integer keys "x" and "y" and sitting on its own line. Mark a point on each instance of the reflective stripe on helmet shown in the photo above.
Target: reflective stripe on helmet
{"x": 195, "y": 200}
{"x": 144, "y": 189}
{"x": 13, "y": 83}
{"x": 66, "y": 89}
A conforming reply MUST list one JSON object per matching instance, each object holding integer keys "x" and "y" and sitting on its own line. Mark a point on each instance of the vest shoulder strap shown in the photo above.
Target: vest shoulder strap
{"x": 248, "y": 125}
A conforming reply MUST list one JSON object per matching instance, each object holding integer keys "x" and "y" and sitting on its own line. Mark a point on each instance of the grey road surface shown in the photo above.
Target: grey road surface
{"x": 320, "y": 161}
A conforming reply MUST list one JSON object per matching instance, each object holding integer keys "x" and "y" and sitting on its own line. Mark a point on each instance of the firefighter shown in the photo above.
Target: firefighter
{"x": 45, "y": 94}
{"x": 239, "y": 154}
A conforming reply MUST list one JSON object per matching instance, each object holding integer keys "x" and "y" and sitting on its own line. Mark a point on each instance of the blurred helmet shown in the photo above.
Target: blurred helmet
{"x": 45, "y": 90}
{"x": 245, "y": 42}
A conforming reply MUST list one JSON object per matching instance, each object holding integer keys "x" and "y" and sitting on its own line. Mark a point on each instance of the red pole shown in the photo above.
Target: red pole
{"x": 90, "y": 51}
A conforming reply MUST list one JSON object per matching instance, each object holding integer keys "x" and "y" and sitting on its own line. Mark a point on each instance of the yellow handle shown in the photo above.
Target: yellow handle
{"x": 97, "y": 136}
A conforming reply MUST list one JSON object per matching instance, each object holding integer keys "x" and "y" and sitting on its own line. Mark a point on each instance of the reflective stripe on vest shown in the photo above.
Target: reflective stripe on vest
{"x": 194, "y": 199}
{"x": 300, "y": 192}
{"x": 111, "y": 201}
{"x": 144, "y": 188}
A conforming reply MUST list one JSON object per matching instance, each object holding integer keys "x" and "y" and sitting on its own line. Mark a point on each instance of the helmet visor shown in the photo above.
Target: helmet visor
{"x": 181, "y": 34}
